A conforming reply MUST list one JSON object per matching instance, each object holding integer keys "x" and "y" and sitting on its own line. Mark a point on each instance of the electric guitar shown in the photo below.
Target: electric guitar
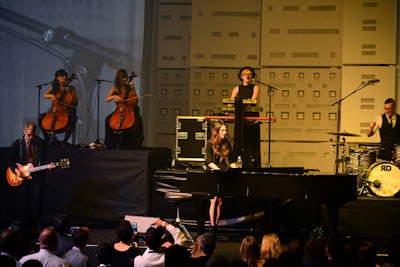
{"x": 16, "y": 178}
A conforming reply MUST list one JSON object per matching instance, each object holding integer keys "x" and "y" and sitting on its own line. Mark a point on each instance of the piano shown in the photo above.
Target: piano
{"x": 232, "y": 118}
{"x": 275, "y": 183}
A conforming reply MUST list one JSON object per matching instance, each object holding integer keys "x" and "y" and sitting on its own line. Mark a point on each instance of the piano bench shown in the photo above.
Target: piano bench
{"x": 203, "y": 195}
{"x": 178, "y": 196}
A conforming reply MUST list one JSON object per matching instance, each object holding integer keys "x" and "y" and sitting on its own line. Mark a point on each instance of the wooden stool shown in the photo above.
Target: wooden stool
{"x": 177, "y": 198}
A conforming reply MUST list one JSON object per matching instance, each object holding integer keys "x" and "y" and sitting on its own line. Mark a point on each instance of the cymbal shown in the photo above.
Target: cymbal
{"x": 343, "y": 134}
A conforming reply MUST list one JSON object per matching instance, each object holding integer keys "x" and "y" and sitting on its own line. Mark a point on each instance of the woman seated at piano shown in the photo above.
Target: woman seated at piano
{"x": 251, "y": 130}
{"x": 219, "y": 156}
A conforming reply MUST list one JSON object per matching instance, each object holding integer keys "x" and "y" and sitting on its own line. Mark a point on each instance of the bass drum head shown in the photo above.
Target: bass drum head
{"x": 384, "y": 179}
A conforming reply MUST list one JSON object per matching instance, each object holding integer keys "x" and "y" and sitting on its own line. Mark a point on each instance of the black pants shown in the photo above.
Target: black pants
{"x": 125, "y": 139}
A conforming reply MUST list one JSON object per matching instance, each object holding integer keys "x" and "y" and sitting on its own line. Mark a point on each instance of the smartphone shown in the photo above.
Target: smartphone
{"x": 134, "y": 228}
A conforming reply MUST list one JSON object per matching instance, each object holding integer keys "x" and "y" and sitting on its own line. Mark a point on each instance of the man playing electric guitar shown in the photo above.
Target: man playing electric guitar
{"x": 29, "y": 149}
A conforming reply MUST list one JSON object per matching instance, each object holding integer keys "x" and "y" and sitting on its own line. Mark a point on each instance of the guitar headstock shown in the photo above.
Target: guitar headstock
{"x": 63, "y": 163}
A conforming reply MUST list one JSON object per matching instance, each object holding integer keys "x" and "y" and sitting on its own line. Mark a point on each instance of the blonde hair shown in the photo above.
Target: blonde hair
{"x": 271, "y": 246}
{"x": 196, "y": 251}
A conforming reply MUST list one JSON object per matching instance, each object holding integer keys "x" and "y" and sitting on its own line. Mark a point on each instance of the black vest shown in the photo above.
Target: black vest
{"x": 389, "y": 135}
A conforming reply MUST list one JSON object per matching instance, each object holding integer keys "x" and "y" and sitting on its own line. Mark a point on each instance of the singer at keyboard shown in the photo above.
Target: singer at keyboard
{"x": 251, "y": 130}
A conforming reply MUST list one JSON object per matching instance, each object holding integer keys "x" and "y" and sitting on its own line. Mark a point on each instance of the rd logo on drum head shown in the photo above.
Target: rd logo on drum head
{"x": 383, "y": 179}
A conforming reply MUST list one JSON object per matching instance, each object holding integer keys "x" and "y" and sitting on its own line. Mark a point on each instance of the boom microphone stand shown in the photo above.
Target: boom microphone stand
{"x": 270, "y": 90}
{"x": 339, "y": 103}
{"x": 39, "y": 87}
{"x": 98, "y": 107}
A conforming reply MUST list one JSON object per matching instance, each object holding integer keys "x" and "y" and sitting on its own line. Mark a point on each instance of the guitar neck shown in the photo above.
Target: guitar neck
{"x": 40, "y": 168}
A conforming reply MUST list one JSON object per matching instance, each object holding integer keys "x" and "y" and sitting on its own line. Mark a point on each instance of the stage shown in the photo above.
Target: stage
{"x": 102, "y": 186}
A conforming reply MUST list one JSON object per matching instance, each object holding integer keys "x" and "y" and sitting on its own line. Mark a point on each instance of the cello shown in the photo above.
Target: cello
{"x": 56, "y": 120}
{"x": 123, "y": 118}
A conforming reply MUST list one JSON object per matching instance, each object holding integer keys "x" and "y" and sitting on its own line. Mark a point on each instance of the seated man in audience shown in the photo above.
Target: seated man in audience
{"x": 48, "y": 244}
{"x": 10, "y": 244}
{"x": 154, "y": 256}
{"x": 62, "y": 225}
{"x": 75, "y": 255}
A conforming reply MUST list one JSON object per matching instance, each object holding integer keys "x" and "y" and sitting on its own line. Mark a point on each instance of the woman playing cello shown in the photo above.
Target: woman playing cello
{"x": 124, "y": 128}
{"x": 62, "y": 115}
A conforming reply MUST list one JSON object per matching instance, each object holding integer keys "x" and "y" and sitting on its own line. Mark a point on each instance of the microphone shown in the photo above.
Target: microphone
{"x": 373, "y": 81}
{"x": 260, "y": 82}
{"x": 228, "y": 138}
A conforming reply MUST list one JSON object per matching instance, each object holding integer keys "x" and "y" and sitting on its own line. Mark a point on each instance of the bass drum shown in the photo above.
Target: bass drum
{"x": 384, "y": 179}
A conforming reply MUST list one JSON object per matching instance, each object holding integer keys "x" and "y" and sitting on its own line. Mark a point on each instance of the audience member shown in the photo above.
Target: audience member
{"x": 288, "y": 259}
{"x": 270, "y": 249}
{"x": 296, "y": 246}
{"x": 48, "y": 244}
{"x": 104, "y": 255}
{"x": 314, "y": 252}
{"x": 75, "y": 255}
{"x": 367, "y": 255}
{"x": 29, "y": 232}
{"x": 152, "y": 256}
{"x": 32, "y": 263}
{"x": 250, "y": 252}
{"x": 393, "y": 252}
{"x": 6, "y": 261}
{"x": 176, "y": 256}
{"x": 218, "y": 261}
{"x": 124, "y": 252}
{"x": 196, "y": 248}
{"x": 335, "y": 252}
{"x": 170, "y": 235}
{"x": 351, "y": 250}
{"x": 207, "y": 246}
{"x": 10, "y": 244}
{"x": 62, "y": 225}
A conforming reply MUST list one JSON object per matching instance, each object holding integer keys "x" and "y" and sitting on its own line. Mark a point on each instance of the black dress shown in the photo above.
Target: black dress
{"x": 251, "y": 133}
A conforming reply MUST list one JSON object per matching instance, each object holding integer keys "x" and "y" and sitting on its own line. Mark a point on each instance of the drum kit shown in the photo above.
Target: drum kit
{"x": 375, "y": 176}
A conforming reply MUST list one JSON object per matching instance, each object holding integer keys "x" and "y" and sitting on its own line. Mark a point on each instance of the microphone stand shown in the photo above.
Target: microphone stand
{"x": 339, "y": 103}
{"x": 98, "y": 107}
{"x": 270, "y": 89}
{"x": 39, "y": 87}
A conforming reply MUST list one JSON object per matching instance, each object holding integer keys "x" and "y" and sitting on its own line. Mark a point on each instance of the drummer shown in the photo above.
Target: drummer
{"x": 388, "y": 125}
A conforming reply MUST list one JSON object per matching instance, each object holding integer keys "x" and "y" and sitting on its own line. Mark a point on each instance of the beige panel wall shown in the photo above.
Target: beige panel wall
{"x": 369, "y": 32}
{"x": 225, "y": 33}
{"x": 174, "y": 36}
{"x": 301, "y": 33}
{"x": 302, "y": 104}
{"x": 304, "y": 43}
{"x": 172, "y": 100}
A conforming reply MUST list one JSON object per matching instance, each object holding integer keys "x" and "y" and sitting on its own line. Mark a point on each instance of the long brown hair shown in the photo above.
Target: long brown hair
{"x": 121, "y": 73}
{"x": 220, "y": 146}
{"x": 250, "y": 251}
